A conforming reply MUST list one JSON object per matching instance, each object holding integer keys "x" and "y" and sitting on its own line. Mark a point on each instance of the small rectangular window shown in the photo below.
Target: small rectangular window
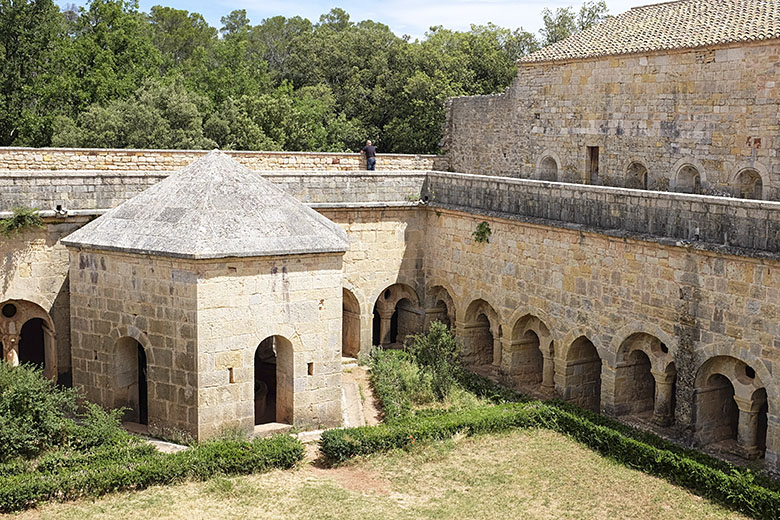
{"x": 230, "y": 375}
{"x": 310, "y": 368}
{"x": 592, "y": 166}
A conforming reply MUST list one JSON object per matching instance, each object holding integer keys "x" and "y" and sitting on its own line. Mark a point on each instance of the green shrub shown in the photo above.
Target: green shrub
{"x": 20, "y": 219}
{"x": 35, "y": 414}
{"x": 145, "y": 468}
{"x": 398, "y": 383}
{"x": 438, "y": 353}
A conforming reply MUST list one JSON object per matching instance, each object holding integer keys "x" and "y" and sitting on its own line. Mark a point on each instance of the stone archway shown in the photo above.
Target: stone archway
{"x": 688, "y": 180}
{"x": 548, "y": 169}
{"x": 636, "y": 176}
{"x": 748, "y": 184}
{"x": 28, "y": 336}
{"x": 730, "y": 407}
{"x": 350, "y": 325}
{"x": 131, "y": 380}
{"x": 273, "y": 381}
{"x": 581, "y": 378}
{"x": 528, "y": 356}
{"x": 397, "y": 314}
{"x": 481, "y": 333}
{"x": 441, "y": 307}
{"x": 644, "y": 381}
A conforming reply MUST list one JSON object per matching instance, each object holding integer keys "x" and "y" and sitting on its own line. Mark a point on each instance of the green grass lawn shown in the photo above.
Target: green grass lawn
{"x": 528, "y": 474}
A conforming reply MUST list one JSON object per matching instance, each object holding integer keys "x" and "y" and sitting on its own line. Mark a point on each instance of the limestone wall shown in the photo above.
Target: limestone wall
{"x": 34, "y": 269}
{"x": 241, "y": 303}
{"x": 151, "y": 300}
{"x": 740, "y": 224}
{"x": 715, "y": 109}
{"x": 99, "y": 159}
{"x": 697, "y": 303}
{"x": 104, "y": 190}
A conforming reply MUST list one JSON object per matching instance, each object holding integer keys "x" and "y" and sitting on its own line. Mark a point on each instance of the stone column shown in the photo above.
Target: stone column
{"x": 11, "y": 349}
{"x": 747, "y": 428}
{"x": 366, "y": 333}
{"x": 663, "y": 413}
{"x": 384, "y": 326}
{"x": 548, "y": 373}
{"x": 50, "y": 354}
{"x": 496, "y": 350}
{"x": 772, "y": 455}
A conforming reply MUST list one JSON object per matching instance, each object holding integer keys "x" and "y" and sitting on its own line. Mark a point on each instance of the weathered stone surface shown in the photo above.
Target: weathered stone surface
{"x": 213, "y": 208}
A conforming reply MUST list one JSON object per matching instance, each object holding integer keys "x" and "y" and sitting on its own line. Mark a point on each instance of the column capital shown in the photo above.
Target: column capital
{"x": 749, "y": 406}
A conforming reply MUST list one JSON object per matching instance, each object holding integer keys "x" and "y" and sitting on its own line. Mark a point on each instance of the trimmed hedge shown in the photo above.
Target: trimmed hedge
{"x": 138, "y": 469}
{"x": 737, "y": 490}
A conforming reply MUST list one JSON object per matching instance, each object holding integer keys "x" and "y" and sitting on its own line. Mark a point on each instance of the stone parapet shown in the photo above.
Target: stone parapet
{"x": 128, "y": 160}
{"x": 736, "y": 226}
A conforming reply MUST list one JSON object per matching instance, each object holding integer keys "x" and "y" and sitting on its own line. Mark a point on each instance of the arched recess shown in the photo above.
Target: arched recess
{"x": 645, "y": 377}
{"x": 481, "y": 333}
{"x": 28, "y": 336}
{"x": 131, "y": 380}
{"x": 748, "y": 184}
{"x": 350, "y": 324}
{"x": 529, "y": 357}
{"x": 273, "y": 381}
{"x": 581, "y": 377}
{"x": 730, "y": 407}
{"x": 636, "y": 176}
{"x": 547, "y": 168}
{"x": 441, "y": 307}
{"x": 689, "y": 176}
{"x": 397, "y": 314}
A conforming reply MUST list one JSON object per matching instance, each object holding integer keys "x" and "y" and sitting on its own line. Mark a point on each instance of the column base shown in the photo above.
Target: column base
{"x": 663, "y": 420}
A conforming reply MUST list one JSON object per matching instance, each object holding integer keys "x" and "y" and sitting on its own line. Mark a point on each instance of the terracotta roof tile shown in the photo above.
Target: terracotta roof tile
{"x": 683, "y": 24}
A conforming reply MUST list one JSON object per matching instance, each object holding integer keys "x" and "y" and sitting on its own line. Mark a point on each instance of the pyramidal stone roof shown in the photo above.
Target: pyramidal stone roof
{"x": 684, "y": 24}
{"x": 213, "y": 208}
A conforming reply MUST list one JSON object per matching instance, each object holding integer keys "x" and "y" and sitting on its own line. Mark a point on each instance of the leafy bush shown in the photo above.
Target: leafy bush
{"x": 398, "y": 382}
{"x": 20, "y": 219}
{"x": 35, "y": 414}
{"x": 438, "y": 353}
{"x": 115, "y": 470}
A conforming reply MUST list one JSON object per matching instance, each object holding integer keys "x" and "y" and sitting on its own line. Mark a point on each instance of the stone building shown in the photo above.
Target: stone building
{"x": 653, "y": 306}
{"x": 679, "y": 96}
{"x": 210, "y": 300}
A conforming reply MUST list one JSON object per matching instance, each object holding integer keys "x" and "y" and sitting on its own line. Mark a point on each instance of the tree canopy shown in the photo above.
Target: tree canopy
{"x": 109, "y": 75}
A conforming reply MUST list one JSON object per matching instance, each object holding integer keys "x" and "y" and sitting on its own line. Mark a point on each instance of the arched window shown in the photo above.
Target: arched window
{"x": 749, "y": 184}
{"x": 548, "y": 169}
{"x": 688, "y": 180}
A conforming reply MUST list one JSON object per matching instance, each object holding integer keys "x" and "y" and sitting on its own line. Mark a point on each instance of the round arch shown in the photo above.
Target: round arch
{"x": 637, "y": 174}
{"x": 548, "y": 166}
{"x": 25, "y": 324}
{"x": 680, "y": 166}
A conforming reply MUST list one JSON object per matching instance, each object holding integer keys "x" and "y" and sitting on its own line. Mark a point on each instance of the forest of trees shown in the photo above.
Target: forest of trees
{"x": 108, "y": 75}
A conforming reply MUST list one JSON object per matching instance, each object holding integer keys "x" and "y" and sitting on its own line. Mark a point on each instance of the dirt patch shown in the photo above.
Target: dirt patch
{"x": 354, "y": 479}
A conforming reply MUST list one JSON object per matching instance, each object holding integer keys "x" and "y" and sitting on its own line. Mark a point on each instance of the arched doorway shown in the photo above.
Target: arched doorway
{"x": 27, "y": 336}
{"x": 636, "y": 176}
{"x": 749, "y": 184}
{"x": 548, "y": 169}
{"x": 32, "y": 348}
{"x": 273, "y": 381}
{"x": 529, "y": 361}
{"x": 717, "y": 415}
{"x": 131, "y": 380}
{"x": 397, "y": 315}
{"x": 440, "y": 307}
{"x": 350, "y": 325}
{"x": 582, "y": 376}
{"x": 688, "y": 180}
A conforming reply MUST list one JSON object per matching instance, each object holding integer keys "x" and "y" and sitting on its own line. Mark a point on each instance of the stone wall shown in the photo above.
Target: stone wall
{"x": 241, "y": 303}
{"x": 742, "y": 226}
{"x": 115, "y": 297}
{"x": 698, "y": 304}
{"x": 75, "y": 190}
{"x": 715, "y": 110}
{"x": 89, "y": 159}
{"x": 34, "y": 269}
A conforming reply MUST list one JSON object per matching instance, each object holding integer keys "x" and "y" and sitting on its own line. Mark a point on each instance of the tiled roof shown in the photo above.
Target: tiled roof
{"x": 213, "y": 208}
{"x": 683, "y": 24}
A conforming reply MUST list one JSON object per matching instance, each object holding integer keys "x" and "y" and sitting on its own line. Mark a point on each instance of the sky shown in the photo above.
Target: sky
{"x": 412, "y": 17}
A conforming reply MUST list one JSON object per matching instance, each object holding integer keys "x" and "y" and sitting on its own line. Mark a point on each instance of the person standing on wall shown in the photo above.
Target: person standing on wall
{"x": 370, "y": 152}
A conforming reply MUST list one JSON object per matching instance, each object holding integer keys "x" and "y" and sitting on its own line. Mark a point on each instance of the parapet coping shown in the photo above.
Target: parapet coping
{"x": 107, "y": 151}
{"x": 288, "y": 172}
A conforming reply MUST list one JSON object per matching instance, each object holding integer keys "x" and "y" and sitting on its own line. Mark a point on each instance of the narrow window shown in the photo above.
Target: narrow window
{"x": 592, "y": 165}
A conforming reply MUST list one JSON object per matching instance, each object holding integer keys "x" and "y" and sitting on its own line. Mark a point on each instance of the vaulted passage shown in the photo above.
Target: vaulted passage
{"x": 645, "y": 377}
{"x": 731, "y": 407}
{"x": 582, "y": 376}
{"x": 482, "y": 338}
{"x": 529, "y": 359}
{"x": 31, "y": 343}
{"x": 273, "y": 381}
{"x": 397, "y": 314}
